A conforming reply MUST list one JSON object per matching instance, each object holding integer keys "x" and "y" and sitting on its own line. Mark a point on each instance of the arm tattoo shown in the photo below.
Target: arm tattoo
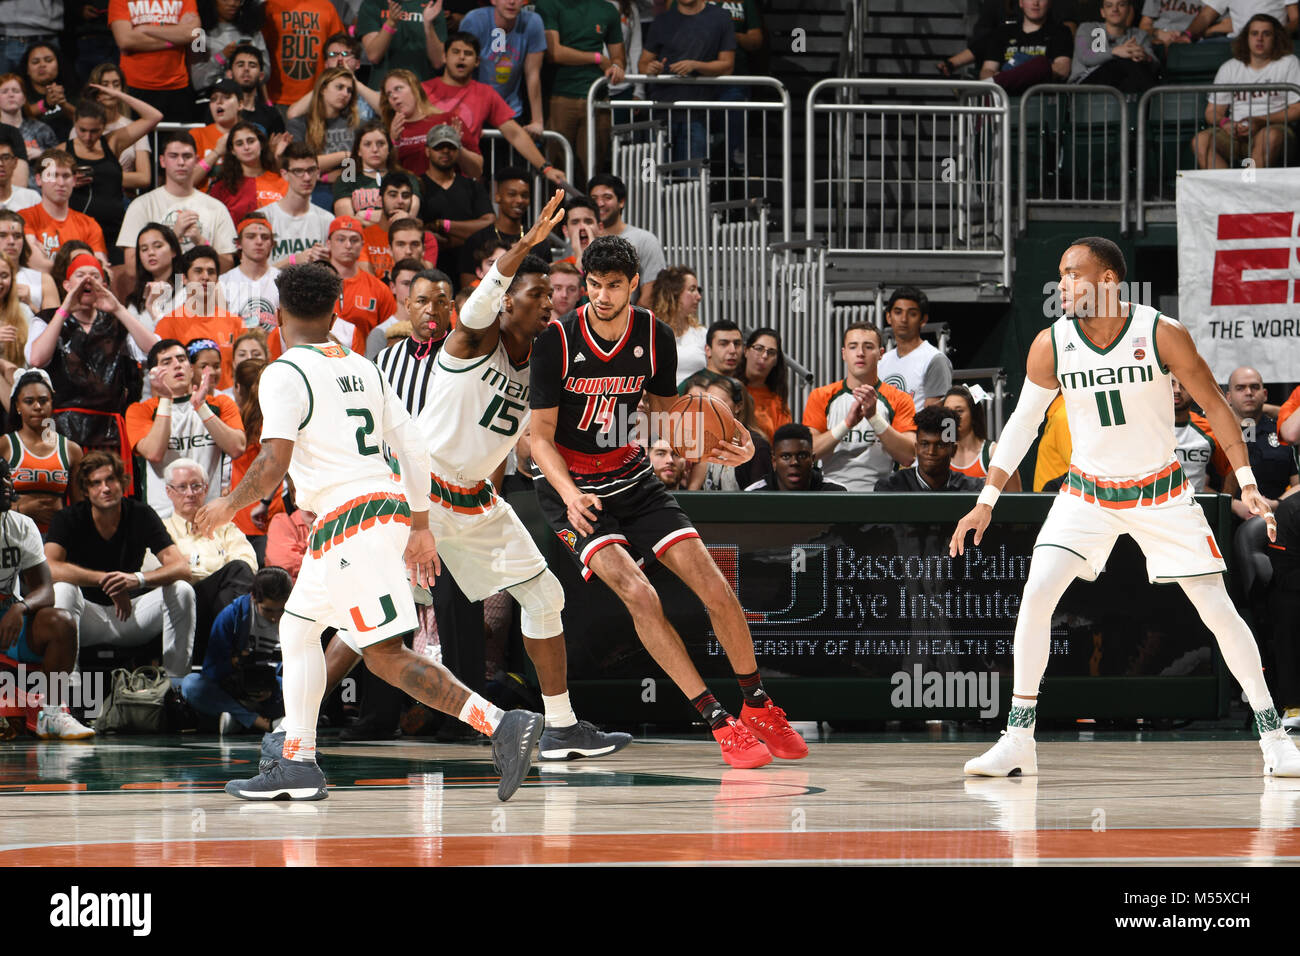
{"x": 260, "y": 480}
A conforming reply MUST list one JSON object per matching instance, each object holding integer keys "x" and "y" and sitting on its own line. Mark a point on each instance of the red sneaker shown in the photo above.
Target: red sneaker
{"x": 769, "y": 725}
{"x": 740, "y": 748}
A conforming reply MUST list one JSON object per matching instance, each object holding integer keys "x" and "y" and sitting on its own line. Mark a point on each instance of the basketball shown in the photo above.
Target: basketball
{"x": 698, "y": 423}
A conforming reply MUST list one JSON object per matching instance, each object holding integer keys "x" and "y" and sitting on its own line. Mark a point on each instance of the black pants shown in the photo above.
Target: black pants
{"x": 1283, "y": 612}
{"x": 1127, "y": 76}
{"x": 177, "y": 106}
{"x": 212, "y": 594}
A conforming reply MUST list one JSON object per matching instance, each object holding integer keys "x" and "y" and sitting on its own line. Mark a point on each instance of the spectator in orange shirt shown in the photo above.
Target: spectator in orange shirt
{"x": 763, "y": 371}
{"x": 397, "y": 196}
{"x": 203, "y": 314}
{"x": 51, "y": 223}
{"x": 247, "y": 176}
{"x": 153, "y": 38}
{"x": 366, "y": 301}
{"x": 295, "y": 32}
{"x": 1288, "y": 423}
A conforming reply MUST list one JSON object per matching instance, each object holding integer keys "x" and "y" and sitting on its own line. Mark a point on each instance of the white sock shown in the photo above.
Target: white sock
{"x": 304, "y": 686}
{"x": 481, "y": 714}
{"x": 559, "y": 712}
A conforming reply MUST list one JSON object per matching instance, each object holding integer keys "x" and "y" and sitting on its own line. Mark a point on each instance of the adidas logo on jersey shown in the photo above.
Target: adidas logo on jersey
{"x": 579, "y": 358}
{"x": 1069, "y": 347}
{"x": 343, "y": 564}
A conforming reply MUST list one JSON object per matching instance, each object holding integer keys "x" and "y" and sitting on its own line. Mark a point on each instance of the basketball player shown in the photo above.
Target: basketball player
{"x": 473, "y": 414}
{"x": 1113, "y": 360}
{"x": 589, "y": 371}
{"x": 328, "y": 412}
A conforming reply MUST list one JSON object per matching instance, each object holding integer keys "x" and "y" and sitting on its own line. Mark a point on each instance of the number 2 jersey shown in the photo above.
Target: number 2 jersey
{"x": 597, "y": 386}
{"x": 337, "y": 409}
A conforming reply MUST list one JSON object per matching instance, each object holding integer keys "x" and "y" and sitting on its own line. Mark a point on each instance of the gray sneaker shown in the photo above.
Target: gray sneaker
{"x": 583, "y": 739}
{"x": 272, "y": 750}
{"x": 512, "y": 749}
{"x": 284, "y": 780}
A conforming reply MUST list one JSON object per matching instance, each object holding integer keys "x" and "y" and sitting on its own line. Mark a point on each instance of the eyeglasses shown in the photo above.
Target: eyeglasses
{"x": 305, "y": 171}
{"x": 193, "y": 488}
{"x": 338, "y": 54}
{"x": 8, "y": 158}
{"x": 766, "y": 353}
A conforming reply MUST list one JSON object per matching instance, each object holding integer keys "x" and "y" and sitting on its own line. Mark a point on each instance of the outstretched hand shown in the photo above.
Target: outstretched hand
{"x": 977, "y": 520}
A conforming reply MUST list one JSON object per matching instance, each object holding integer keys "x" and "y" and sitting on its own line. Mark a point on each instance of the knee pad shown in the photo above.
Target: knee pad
{"x": 541, "y": 600}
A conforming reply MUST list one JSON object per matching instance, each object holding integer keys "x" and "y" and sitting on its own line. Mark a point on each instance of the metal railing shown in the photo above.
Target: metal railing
{"x": 740, "y": 261}
{"x": 745, "y": 157}
{"x": 851, "y": 46}
{"x": 800, "y": 310}
{"x": 1067, "y": 151}
{"x": 500, "y": 146}
{"x": 1187, "y": 118}
{"x": 925, "y": 179}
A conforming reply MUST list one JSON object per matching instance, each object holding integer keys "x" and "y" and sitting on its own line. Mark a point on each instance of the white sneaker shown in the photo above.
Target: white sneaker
{"x": 1013, "y": 754}
{"x": 61, "y": 725}
{"x": 1281, "y": 759}
{"x": 1291, "y": 718}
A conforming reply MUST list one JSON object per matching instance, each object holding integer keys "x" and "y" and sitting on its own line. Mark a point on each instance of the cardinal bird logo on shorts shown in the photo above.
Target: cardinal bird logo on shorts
{"x": 386, "y": 605}
{"x": 569, "y": 538}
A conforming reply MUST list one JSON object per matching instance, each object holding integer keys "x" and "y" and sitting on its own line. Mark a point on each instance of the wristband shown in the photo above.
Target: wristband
{"x": 170, "y": 44}
{"x": 546, "y": 166}
{"x": 1188, "y": 34}
{"x": 221, "y": 60}
{"x": 164, "y": 408}
{"x": 203, "y": 165}
{"x": 1246, "y": 476}
{"x": 878, "y": 422}
{"x": 446, "y": 226}
{"x": 139, "y": 576}
{"x": 839, "y": 431}
{"x": 293, "y": 259}
{"x": 61, "y": 314}
{"x": 206, "y": 412}
{"x": 988, "y": 496}
{"x": 388, "y": 27}
{"x": 598, "y": 59}
{"x": 40, "y": 105}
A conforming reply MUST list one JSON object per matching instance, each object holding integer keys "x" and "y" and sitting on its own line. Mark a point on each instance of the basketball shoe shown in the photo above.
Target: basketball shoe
{"x": 740, "y": 748}
{"x": 512, "y": 749}
{"x": 583, "y": 739}
{"x": 1281, "y": 759}
{"x": 60, "y": 725}
{"x": 283, "y": 780}
{"x": 769, "y": 725}
{"x": 1015, "y": 754}
{"x": 272, "y": 750}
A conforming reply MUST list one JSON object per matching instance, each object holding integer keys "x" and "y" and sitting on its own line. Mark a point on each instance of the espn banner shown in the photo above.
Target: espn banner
{"x": 1238, "y": 292}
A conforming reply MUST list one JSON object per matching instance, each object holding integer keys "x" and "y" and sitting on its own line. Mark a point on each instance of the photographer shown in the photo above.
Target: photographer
{"x": 240, "y": 680}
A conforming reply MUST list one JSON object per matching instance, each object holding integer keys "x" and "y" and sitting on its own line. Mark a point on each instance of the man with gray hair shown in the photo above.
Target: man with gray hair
{"x": 221, "y": 566}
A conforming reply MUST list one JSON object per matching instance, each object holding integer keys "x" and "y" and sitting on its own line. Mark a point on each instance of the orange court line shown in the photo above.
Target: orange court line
{"x": 533, "y": 849}
{"x": 43, "y": 787}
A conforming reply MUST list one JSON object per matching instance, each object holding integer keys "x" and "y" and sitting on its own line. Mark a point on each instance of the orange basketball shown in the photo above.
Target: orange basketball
{"x": 698, "y": 423}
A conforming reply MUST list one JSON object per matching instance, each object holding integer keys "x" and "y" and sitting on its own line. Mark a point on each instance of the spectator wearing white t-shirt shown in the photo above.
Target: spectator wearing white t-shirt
{"x": 1249, "y": 123}
{"x": 195, "y": 217}
{"x": 300, "y": 229}
{"x": 913, "y": 365}
{"x": 1241, "y": 12}
{"x": 1165, "y": 21}
{"x": 249, "y": 288}
{"x": 609, "y": 193}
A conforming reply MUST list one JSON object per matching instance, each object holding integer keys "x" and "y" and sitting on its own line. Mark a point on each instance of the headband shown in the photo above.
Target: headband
{"x": 23, "y": 379}
{"x": 83, "y": 259}
{"x": 250, "y": 221}
{"x": 196, "y": 346}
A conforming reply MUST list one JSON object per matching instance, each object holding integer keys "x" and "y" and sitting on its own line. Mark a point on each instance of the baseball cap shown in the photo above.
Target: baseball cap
{"x": 348, "y": 223}
{"x": 442, "y": 133}
{"x": 227, "y": 86}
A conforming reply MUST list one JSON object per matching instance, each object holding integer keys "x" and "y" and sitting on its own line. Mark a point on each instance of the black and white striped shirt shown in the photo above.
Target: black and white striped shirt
{"x": 408, "y": 365}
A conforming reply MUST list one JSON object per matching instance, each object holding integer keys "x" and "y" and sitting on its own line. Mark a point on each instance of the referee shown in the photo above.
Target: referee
{"x": 408, "y": 365}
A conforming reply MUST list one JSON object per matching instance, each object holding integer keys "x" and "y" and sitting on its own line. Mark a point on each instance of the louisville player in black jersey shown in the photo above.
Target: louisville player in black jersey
{"x": 589, "y": 371}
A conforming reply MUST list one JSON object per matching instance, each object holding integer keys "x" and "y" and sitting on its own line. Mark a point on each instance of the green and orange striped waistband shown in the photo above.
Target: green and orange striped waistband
{"x": 357, "y": 515}
{"x": 472, "y": 500}
{"x": 1166, "y": 484}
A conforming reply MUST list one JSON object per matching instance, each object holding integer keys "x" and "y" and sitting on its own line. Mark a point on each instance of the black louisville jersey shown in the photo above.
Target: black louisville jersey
{"x": 597, "y": 386}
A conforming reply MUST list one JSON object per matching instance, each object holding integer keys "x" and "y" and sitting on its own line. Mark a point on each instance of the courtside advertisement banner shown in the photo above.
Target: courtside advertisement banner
{"x": 1238, "y": 273}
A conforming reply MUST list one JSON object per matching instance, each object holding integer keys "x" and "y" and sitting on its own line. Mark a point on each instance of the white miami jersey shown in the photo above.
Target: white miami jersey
{"x": 474, "y": 412}
{"x": 1119, "y": 398}
{"x": 336, "y": 408}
